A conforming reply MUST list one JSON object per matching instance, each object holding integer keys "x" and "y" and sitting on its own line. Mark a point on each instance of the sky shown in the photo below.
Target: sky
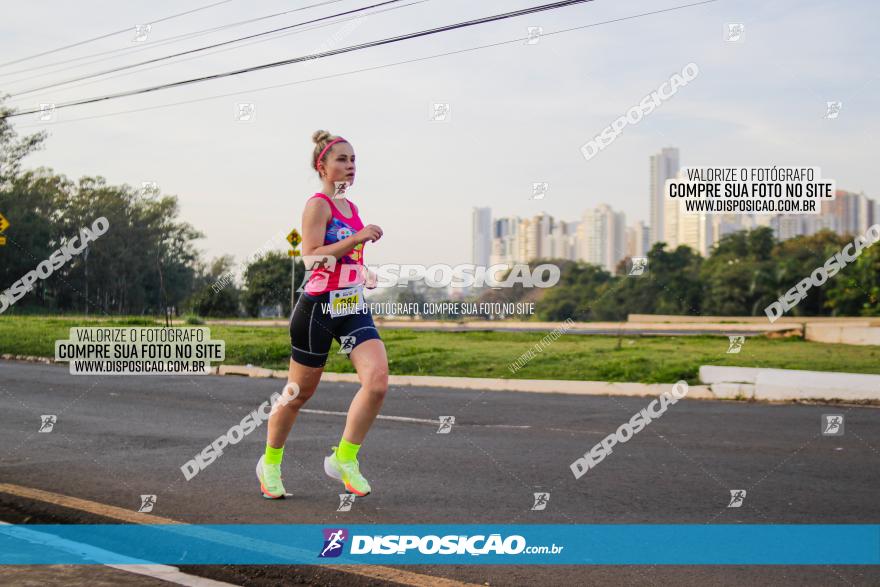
{"x": 519, "y": 112}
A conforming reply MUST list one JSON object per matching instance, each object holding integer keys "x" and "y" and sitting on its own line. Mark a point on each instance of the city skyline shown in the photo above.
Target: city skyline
{"x": 603, "y": 237}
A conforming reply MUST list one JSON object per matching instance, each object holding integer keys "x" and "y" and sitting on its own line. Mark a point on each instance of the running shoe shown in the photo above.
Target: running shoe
{"x": 348, "y": 472}
{"x": 270, "y": 480}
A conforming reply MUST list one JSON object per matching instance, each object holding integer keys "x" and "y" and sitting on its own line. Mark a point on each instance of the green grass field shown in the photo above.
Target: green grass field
{"x": 646, "y": 359}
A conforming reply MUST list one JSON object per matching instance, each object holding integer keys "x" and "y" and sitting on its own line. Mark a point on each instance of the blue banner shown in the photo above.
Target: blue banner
{"x": 453, "y": 544}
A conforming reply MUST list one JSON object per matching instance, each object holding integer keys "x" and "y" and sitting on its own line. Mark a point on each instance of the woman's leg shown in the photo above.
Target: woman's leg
{"x": 281, "y": 420}
{"x": 371, "y": 363}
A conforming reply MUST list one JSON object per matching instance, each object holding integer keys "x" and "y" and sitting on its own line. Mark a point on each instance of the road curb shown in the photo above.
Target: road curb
{"x": 718, "y": 383}
{"x": 29, "y": 358}
{"x": 477, "y": 383}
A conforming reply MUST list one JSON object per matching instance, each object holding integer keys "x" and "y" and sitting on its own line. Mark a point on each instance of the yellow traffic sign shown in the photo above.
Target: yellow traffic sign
{"x": 4, "y": 224}
{"x": 2, "y": 240}
{"x": 293, "y": 253}
{"x": 294, "y": 238}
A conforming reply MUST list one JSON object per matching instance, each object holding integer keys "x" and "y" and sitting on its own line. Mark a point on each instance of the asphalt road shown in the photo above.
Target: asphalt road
{"x": 117, "y": 437}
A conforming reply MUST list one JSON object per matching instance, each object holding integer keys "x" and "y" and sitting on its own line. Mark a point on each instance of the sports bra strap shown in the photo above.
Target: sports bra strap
{"x": 333, "y": 207}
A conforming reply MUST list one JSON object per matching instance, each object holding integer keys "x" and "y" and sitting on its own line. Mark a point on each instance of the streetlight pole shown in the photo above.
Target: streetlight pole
{"x": 294, "y": 239}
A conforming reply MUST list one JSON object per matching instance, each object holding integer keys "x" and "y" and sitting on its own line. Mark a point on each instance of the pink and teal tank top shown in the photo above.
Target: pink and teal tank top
{"x": 338, "y": 228}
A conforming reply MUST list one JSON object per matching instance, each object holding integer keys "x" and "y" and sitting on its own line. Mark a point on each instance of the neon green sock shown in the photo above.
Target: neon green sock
{"x": 274, "y": 455}
{"x": 347, "y": 451}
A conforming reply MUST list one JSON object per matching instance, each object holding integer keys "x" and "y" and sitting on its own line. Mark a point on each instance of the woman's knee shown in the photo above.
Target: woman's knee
{"x": 375, "y": 379}
{"x": 294, "y": 396}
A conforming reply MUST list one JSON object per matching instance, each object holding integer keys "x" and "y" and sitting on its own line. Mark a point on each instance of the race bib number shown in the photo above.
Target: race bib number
{"x": 347, "y": 301}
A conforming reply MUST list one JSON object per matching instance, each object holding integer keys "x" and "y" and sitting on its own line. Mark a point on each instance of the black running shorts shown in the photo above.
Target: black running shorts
{"x": 312, "y": 330}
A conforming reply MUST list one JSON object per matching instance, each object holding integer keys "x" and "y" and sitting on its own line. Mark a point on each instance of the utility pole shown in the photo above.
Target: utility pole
{"x": 86, "y": 260}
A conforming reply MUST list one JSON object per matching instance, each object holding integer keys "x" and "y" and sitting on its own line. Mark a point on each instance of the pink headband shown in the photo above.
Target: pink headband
{"x": 330, "y": 144}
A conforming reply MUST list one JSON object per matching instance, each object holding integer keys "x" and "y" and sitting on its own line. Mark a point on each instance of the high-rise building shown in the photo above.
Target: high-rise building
{"x": 786, "y": 226}
{"x": 522, "y": 243}
{"x": 848, "y": 213}
{"x": 537, "y": 232}
{"x": 844, "y": 210}
{"x": 643, "y": 238}
{"x": 671, "y": 216}
{"x": 867, "y": 216}
{"x": 505, "y": 241}
{"x": 602, "y": 237}
{"x": 638, "y": 239}
{"x": 572, "y": 240}
{"x": 522, "y": 240}
{"x": 561, "y": 242}
{"x": 680, "y": 228}
{"x": 815, "y": 223}
{"x": 696, "y": 231}
{"x": 481, "y": 232}
{"x": 631, "y": 242}
{"x": 664, "y": 165}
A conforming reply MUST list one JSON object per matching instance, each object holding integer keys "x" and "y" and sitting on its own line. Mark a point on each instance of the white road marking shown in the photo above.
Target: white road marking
{"x": 407, "y": 419}
{"x": 162, "y": 572}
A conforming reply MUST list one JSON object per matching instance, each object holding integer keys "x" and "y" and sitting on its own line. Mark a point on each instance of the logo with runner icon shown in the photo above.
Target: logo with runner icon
{"x": 334, "y": 542}
{"x": 737, "y": 496}
{"x": 148, "y": 502}
{"x": 832, "y": 424}
{"x": 47, "y": 422}
{"x": 346, "y": 344}
{"x": 541, "y": 500}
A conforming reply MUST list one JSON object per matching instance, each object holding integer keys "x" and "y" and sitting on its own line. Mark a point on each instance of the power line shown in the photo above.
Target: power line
{"x": 376, "y": 67}
{"x": 348, "y": 49}
{"x": 152, "y": 45}
{"x": 108, "y": 35}
{"x": 87, "y": 83}
{"x": 215, "y": 45}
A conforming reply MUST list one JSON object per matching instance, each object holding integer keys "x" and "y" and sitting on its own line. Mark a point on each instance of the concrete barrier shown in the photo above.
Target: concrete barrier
{"x": 856, "y": 334}
{"x": 790, "y": 384}
{"x": 644, "y": 318}
{"x": 713, "y": 374}
{"x": 783, "y": 384}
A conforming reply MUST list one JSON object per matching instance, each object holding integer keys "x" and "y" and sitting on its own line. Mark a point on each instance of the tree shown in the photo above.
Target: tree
{"x": 13, "y": 149}
{"x": 216, "y": 293}
{"x": 145, "y": 261}
{"x": 797, "y": 258}
{"x": 670, "y": 285}
{"x": 267, "y": 282}
{"x": 573, "y": 297}
{"x": 30, "y": 203}
{"x": 740, "y": 276}
{"x": 856, "y": 289}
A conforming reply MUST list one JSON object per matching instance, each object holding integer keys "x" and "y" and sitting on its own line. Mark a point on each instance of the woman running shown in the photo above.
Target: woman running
{"x": 331, "y": 306}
